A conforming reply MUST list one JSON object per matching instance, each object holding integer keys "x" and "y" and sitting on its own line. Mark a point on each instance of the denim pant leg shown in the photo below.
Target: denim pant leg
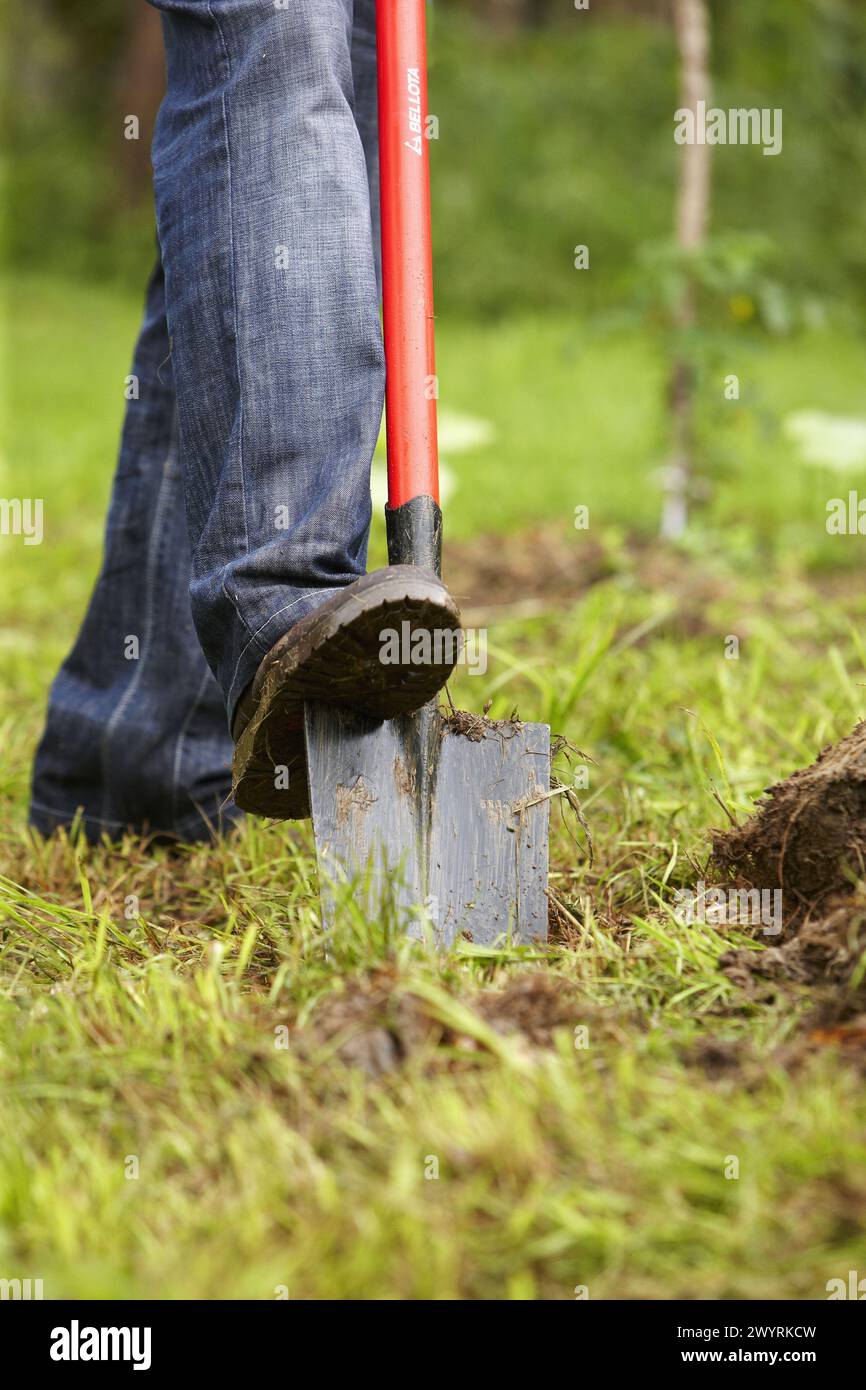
{"x": 141, "y": 742}
{"x": 136, "y": 731}
{"x": 264, "y": 216}
{"x": 364, "y": 79}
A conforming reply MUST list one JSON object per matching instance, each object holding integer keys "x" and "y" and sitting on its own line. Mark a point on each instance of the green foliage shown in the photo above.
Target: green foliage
{"x": 549, "y": 138}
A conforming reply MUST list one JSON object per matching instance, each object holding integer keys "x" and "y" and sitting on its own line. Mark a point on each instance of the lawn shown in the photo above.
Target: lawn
{"x": 205, "y": 1095}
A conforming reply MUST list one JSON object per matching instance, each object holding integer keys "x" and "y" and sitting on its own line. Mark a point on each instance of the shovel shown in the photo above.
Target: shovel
{"x": 444, "y": 817}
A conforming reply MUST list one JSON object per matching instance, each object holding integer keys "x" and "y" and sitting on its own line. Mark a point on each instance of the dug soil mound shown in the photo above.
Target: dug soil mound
{"x": 823, "y": 951}
{"x": 808, "y": 836}
{"x": 823, "y": 962}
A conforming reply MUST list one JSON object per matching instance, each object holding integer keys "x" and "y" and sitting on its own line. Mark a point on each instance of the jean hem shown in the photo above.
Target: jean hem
{"x": 267, "y": 636}
{"x": 193, "y": 827}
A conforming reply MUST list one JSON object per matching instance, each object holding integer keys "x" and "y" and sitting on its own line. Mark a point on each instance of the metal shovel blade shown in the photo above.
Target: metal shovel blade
{"x": 453, "y": 829}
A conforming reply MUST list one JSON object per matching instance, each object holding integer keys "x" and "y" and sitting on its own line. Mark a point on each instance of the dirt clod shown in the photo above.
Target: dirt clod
{"x": 475, "y": 727}
{"x": 375, "y": 1024}
{"x": 822, "y": 956}
{"x": 718, "y": 1057}
{"x": 823, "y": 951}
{"x": 533, "y": 1004}
{"x": 808, "y": 836}
{"x": 531, "y": 570}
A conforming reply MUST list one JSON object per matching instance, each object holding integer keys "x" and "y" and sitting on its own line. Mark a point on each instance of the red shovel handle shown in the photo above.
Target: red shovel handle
{"x": 407, "y": 261}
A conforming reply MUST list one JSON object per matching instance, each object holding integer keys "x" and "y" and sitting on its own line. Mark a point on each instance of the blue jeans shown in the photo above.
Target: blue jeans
{"x": 242, "y": 493}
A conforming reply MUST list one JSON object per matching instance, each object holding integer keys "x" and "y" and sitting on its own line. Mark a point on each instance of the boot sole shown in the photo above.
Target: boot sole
{"x": 335, "y": 656}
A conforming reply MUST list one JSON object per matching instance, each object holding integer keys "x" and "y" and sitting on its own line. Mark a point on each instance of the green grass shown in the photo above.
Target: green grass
{"x": 155, "y": 1137}
{"x": 574, "y": 406}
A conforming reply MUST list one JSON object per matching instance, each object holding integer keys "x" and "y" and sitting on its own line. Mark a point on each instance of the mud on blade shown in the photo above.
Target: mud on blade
{"x": 456, "y": 828}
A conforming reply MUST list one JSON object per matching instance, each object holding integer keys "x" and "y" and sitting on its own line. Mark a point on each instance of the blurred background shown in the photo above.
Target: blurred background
{"x": 598, "y": 378}
{"x": 555, "y": 127}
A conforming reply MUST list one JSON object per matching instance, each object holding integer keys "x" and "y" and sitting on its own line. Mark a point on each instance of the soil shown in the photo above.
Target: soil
{"x": 375, "y": 1025}
{"x": 547, "y": 568}
{"x": 475, "y": 727}
{"x": 823, "y": 951}
{"x": 808, "y": 836}
{"x": 542, "y": 566}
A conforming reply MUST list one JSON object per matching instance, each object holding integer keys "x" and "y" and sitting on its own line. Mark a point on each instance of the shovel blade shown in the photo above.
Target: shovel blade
{"x": 454, "y": 830}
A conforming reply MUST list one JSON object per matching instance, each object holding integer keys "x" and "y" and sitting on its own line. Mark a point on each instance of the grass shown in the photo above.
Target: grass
{"x": 204, "y": 1095}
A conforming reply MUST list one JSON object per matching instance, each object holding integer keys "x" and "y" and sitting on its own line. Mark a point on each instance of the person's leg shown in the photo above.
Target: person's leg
{"x": 261, "y": 161}
{"x": 136, "y": 734}
{"x": 264, "y": 219}
{"x": 263, "y": 207}
{"x": 367, "y": 112}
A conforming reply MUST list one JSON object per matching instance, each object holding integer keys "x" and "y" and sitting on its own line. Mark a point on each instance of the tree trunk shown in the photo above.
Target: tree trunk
{"x": 691, "y": 22}
{"x": 139, "y": 88}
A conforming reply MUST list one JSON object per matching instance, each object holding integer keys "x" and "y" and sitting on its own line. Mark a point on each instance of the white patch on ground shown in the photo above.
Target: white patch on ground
{"x": 828, "y": 441}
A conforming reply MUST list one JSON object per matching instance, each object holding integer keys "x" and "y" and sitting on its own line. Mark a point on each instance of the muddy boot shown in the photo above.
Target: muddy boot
{"x": 383, "y": 646}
